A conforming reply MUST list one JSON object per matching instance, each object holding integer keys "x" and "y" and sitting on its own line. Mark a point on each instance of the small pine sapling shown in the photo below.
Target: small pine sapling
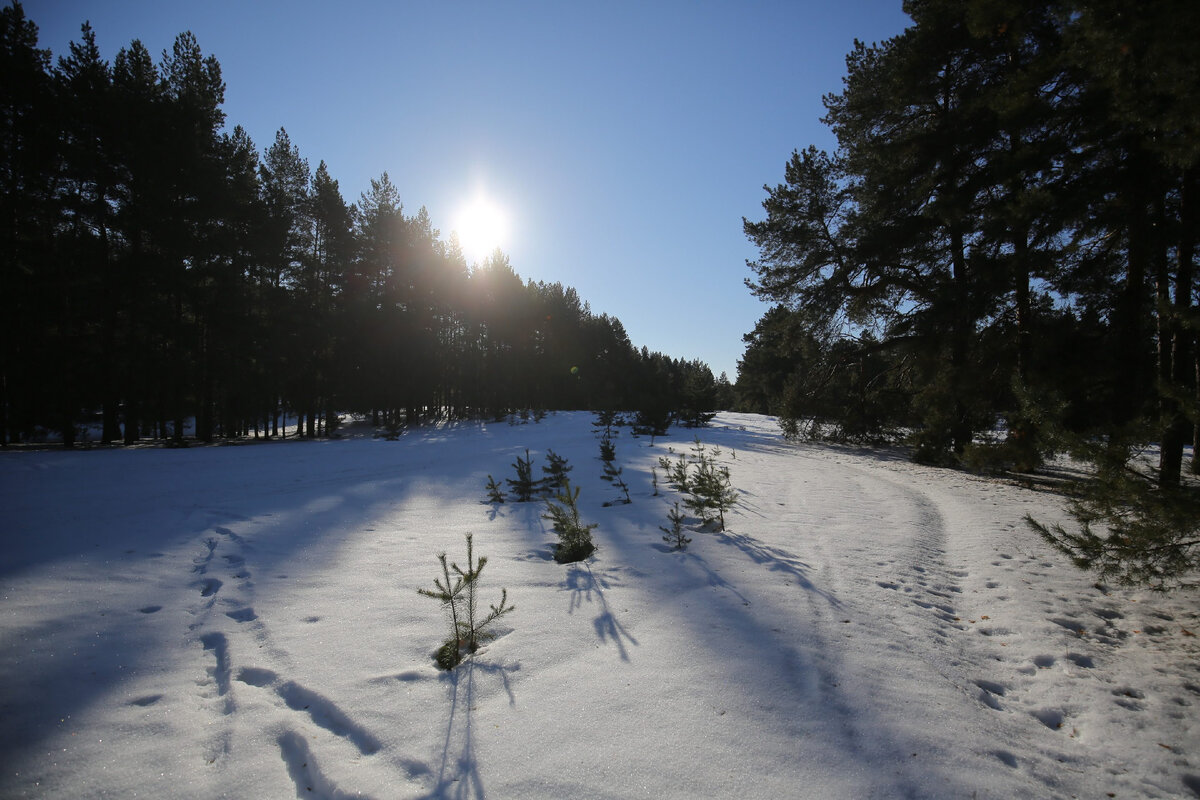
{"x": 725, "y": 497}
{"x": 608, "y": 450}
{"x": 612, "y": 474}
{"x": 605, "y": 420}
{"x": 574, "y": 537}
{"x": 554, "y": 473}
{"x": 459, "y": 594}
{"x": 495, "y": 495}
{"x": 677, "y": 473}
{"x": 654, "y": 481}
{"x": 712, "y": 494}
{"x": 675, "y": 535}
{"x": 447, "y": 592}
{"x": 523, "y": 487}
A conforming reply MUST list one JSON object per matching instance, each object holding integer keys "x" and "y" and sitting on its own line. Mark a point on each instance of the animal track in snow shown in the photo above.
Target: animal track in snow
{"x": 989, "y": 692}
{"x": 209, "y": 587}
{"x": 242, "y": 615}
{"x": 150, "y": 609}
{"x": 303, "y": 770}
{"x": 255, "y": 676}
{"x": 1050, "y": 717}
{"x": 220, "y": 672}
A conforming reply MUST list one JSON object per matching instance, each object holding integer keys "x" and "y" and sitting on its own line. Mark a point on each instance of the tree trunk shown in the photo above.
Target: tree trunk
{"x": 961, "y": 432}
{"x": 1175, "y": 343}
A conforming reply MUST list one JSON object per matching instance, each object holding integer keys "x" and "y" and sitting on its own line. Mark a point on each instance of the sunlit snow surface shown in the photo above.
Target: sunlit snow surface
{"x": 243, "y": 621}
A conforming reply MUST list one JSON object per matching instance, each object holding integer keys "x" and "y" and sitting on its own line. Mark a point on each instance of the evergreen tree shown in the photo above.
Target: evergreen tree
{"x": 495, "y": 495}
{"x": 675, "y": 535}
{"x": 574, "y": 536}
{"x": 554, "y": 474}
{"x": 458, "y": 592}
{"x": 523, "y": 486}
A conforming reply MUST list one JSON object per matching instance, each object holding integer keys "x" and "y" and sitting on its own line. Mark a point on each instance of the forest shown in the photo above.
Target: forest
{"x": 160, "y": 273}
{"x": 997, "y": 262}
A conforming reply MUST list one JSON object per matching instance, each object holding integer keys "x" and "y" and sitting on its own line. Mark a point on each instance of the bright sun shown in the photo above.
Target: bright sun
{"x": 482, "y": 227}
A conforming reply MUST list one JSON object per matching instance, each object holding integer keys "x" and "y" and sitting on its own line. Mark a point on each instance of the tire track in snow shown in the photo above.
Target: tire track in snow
{"x": 845, "y": 515}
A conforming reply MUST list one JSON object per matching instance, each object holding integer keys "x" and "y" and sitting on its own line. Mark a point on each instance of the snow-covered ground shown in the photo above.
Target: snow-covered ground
{"x": 243, "y": 621}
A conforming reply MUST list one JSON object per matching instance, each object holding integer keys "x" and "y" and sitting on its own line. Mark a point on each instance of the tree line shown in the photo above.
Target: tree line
{"x": 161, "y": 272}
{"x": 1004, "y": 238}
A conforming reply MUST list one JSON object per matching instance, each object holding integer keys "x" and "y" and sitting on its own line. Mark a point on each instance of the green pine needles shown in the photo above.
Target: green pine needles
{"x": 457, "y": 589}
{"x": 495, "y": 495}
{"x": 554, "y": 474}
{"x": 675, "y": 535}
{"x": 523, "y": 487}
{"x": 574, "y": 537}
{"x": 612, "y": 473}
{"x": 706, "y": 486}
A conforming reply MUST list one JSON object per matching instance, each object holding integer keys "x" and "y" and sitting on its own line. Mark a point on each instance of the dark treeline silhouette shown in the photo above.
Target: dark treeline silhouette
{"x": 1006, "y": 231}
{"x": 1005, "y": 237}
{"x": 158, "y": 269}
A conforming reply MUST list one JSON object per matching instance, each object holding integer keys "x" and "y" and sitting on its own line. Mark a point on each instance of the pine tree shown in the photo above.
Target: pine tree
{"x": 523, "y": 486}
{"x": 460, "y": 595}
{"x": 675, "y": 535}
{"x": 608, "y": 451}
{"x": 554, "y": 474}
{"x": 574, "y": 537}
{"x": 495, "y": 495}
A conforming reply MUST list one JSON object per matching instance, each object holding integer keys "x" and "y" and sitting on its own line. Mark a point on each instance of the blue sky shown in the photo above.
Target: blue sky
{"x": 624, "y": 141}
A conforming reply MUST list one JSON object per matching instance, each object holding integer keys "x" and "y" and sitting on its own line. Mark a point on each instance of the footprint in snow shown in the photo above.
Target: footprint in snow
{"x": 1050, "y": 717}
{"x": 989, "y": 693}
{"x": 242, "y": 614}
{"x": 255, "y": 676}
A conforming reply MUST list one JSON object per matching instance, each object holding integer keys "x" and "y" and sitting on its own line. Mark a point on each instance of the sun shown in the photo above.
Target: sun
{"x": 482, "y": 226}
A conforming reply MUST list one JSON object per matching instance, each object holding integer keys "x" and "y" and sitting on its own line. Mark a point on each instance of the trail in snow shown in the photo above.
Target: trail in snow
{"x": 245, "y": 623}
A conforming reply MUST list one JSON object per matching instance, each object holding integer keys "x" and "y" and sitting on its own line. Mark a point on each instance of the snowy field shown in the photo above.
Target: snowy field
{"x": 243, "y": 621}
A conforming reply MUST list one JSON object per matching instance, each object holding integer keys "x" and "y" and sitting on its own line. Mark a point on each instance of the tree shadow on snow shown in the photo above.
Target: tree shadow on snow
{"x": 458, "y": 776}
{"x": 584, "y": 585}
{"x": 777, "y": 559}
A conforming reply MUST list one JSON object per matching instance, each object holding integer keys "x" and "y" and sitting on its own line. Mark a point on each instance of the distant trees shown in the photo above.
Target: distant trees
{"x": 161, "y": 270}
{"x": 1006, "y": 232}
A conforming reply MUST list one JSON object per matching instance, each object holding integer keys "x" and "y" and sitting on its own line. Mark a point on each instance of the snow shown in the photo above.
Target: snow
{"x": 243, "y": 621}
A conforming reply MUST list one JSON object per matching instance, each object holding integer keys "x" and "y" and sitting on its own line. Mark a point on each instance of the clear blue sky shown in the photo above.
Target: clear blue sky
{"x": 626, "y": 140}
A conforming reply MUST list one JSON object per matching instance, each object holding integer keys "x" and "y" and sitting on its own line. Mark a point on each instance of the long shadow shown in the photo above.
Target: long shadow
{"x": 809, "y": 665}
{"x": 583, "y": 584}
{"x": 776, "y": 559}
{"x": 458, "y": 774}
{"x": 130, "y": 513}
